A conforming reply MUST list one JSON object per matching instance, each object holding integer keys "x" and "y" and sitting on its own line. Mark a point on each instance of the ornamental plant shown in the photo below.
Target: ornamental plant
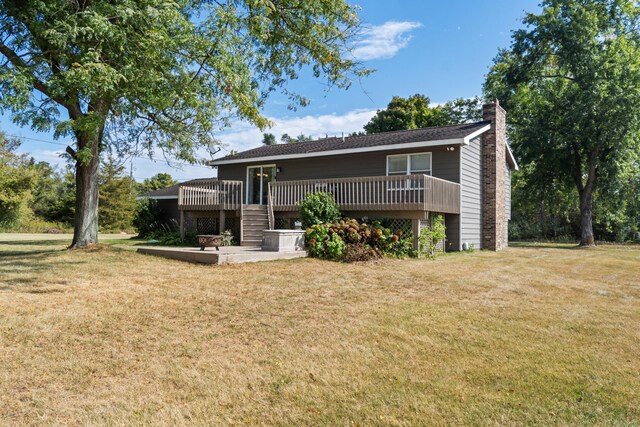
{"x": 318, "y": 208}
{"x": 430, "y": 238}
{"x": 351, "y": 241}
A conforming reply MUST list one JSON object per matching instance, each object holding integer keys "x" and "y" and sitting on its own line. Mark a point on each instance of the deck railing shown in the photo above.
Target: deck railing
{"x": 378, "y": 193}
{"x": 211, "y": 195}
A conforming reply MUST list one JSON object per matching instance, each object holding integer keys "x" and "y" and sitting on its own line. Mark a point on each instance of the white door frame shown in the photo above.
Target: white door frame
{"x": 261, "y": 180}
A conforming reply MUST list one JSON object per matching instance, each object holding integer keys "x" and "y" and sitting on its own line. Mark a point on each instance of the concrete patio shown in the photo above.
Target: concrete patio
{"x": 226, "y": 254}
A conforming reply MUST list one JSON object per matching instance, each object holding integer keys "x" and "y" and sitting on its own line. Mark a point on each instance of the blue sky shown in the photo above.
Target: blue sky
{"x": 442, "y": 49}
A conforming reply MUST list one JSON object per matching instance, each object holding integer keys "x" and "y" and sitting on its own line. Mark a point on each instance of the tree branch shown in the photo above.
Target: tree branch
{"x": 22, "y": 66}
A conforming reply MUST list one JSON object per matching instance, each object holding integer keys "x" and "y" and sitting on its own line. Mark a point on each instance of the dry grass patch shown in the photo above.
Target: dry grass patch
{"x": 544, "y": 335}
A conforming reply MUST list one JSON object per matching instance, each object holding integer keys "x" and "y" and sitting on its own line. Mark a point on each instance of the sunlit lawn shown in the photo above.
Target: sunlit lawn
{"x": 534, "y": 335}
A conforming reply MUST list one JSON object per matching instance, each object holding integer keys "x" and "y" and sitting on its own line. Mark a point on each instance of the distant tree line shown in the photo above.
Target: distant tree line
{"x": 270, "y": 139}
{"x": 35, "y": 196}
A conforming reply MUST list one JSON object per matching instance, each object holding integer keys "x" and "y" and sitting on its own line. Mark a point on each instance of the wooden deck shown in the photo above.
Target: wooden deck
{"x": 389, "y": 194}
{"x": 376, "y": 193}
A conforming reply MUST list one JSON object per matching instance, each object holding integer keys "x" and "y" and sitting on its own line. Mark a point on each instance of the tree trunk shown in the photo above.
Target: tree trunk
{"x": 85, "y": 230}
{"x": 586, "y": 218}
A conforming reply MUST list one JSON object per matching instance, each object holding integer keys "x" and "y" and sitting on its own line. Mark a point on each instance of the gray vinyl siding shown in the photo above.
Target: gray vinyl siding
{"x": 445, "y": 165}
{"x": 471, "y": 194}
{"x": 508, "y": 192}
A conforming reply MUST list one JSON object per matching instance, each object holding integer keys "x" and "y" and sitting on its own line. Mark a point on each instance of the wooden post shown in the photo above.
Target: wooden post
{"x": 222, "y": 221}
{"x": 181, "y": 225}
{"x": 415, "y": 228}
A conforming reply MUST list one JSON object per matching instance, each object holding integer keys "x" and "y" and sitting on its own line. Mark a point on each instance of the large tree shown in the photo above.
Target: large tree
{"x": 416, "y": 112}
{"x": 571, "y": 84}
{"x": 159, "y": 75}
{"x": 156, "y": 182}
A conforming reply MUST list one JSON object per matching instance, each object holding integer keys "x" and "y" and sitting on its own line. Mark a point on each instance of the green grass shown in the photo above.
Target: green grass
{"x": 536, "y": 335}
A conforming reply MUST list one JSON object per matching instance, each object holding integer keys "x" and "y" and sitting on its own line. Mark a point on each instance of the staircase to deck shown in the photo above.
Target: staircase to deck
{"x": 255, "y": 219}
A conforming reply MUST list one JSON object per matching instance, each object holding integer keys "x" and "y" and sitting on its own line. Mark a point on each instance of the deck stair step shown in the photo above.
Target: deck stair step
{"x": 255, "y": 220}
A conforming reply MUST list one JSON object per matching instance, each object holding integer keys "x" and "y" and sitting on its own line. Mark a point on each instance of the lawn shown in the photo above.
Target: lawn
{"x": 532, "y": 335}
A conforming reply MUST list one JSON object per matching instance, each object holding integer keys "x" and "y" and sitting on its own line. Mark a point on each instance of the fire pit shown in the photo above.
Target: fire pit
{"x": 209, "y": 241}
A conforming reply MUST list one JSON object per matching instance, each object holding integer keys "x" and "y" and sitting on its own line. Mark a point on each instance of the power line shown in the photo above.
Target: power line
{"x": 137, "y": 157}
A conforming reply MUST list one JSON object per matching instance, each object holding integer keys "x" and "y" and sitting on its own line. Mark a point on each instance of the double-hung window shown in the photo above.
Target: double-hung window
{"x": 408, "y": 164}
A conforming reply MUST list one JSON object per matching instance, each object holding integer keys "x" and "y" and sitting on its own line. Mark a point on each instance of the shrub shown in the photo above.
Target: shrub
{"x": 167, "y": 236}
{"x": 349, "y": 240}
{"x": 335, "y": 247}
{"x": 227, "y": 238}
{"x": 318, "y": 208}
{"x": 148, "y": 219}
{"x": 431, "y": 237}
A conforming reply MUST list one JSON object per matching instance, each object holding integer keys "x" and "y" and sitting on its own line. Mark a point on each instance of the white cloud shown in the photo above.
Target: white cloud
{"x": 384, "y": 41}
{"x": 242, "y": 136}
{"x": 245, "y": 137}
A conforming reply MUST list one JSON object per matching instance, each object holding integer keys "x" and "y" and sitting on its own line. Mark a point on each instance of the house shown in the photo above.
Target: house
{"x": 461, "y": 171}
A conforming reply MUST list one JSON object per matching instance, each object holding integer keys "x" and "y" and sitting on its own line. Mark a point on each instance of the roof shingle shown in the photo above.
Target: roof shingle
{"x": 360, "y": 141}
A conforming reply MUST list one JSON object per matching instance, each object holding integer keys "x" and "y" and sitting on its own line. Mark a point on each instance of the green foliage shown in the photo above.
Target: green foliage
{"x": 269, "y": 139}
{"x": 334, "y": 247}
{"x": 117, "y": 200}
{"x": 227, "y": 238}
{"x": 156, "y": 182}
{"x": 169, "y": 236}
{"x": 414, "y": 112}
{"x": 170, "y": 71}
{"x": 431, "y": 238}
{"x": 351, "y": 241}
{"x": 318, "y": 208}
{"x": 571, "y": 84}
{"x": 323, "y": 244}
{"x": 17, "y": 177}
{"x": 291, "y": 140}
{"x": 148, "y": 218}
{"x": 31, "y": 224}
{"x": 162, "y": 76}
{"x": 54, "y": 197}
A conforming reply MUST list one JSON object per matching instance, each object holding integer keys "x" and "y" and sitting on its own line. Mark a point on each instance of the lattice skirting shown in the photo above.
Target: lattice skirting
{"x": 392, "y": 224}
{"x": 425, "y": 225}
{"x": 207, "y": 226}
{"x": 284, "y": 223}
{"x": 211, "y": 225}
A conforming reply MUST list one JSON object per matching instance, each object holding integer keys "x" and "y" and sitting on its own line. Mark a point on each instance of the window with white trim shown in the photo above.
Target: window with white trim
{"x": 409, "y": 164}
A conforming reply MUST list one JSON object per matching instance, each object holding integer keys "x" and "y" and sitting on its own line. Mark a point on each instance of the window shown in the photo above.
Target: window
{"x": 409, "y": 164}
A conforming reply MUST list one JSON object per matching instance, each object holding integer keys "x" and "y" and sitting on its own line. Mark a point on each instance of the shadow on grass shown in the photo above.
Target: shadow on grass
{"x": 35, "y": 270}
{"x": 64, "y": 243}
{"x": 546, "y": 245}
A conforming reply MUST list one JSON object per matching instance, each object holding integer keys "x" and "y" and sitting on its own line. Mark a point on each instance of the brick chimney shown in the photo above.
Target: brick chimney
{"x": 494, "y": 216}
